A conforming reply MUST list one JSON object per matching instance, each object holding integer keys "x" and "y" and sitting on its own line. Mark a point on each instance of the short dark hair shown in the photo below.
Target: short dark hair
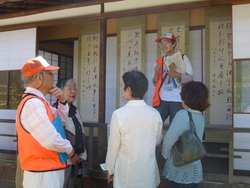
{"x": 173, "y": 41}
{"x": 195, "y": 95}
{"x": 137, "y": 82}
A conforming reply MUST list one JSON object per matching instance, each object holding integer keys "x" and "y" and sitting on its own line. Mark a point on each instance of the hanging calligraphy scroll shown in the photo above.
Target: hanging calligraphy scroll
{"x": 130, "y": 52}
{"x": 220, "y": 71}
{"x": 178, "y": 29}
{"x": 90, "y": 77}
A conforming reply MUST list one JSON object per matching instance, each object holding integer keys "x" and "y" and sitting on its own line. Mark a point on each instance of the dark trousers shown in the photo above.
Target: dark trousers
{"x": 72, "y": 171}
{"x": 168, "y": 108}
{"x": 172, "y": 184}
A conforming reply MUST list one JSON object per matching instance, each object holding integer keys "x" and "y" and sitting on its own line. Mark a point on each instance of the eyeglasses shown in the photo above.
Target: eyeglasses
{"x": 165, "y": 42}
{"x": 49, "y": 72}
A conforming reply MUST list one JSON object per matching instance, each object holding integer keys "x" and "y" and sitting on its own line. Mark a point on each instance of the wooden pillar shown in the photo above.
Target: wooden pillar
{"x": 102, "y": 70}
{"x": 102, "y": 133}
{"x": 231, "y": 158}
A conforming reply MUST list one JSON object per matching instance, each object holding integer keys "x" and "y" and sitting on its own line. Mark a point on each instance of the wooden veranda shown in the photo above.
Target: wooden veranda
{"x": 217, "y": 166}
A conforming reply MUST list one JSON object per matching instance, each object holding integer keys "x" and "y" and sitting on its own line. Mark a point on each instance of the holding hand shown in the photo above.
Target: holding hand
{"x": 74, "y": 157}
{"x": 110, "y": 177}
{"x": 173, "y": 74}
{"x": 157, "y": 69}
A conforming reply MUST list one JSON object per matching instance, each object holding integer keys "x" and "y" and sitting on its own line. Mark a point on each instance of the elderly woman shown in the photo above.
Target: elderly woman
{"x": 73, "y": 127}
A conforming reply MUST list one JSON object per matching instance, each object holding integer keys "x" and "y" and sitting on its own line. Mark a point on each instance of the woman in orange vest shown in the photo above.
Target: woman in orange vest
{"x": 167, "y": 99}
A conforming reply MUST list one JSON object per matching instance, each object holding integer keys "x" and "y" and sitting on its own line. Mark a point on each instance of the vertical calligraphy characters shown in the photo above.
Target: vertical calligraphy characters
{"x": 221, "y": 71}
{"x": 130, "y": 53}
{"x": 90, "y": 76}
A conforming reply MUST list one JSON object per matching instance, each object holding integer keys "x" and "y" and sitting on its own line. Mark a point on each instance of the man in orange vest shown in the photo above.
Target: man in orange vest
{"x": 38, "y": 141}
{"x": 167, "y": 99}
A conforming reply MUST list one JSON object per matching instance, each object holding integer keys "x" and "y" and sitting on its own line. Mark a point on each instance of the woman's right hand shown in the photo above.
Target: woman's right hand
{"x": 110, "y": 177}
{"x": 157, "y": 69}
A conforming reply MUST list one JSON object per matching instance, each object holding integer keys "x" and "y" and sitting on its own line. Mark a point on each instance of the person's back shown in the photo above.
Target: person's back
{"x": 139, "y": 130}
{"x": 138, "y": 122}
{"x": 135, "y": 129}
{"x": 194, "y": 101}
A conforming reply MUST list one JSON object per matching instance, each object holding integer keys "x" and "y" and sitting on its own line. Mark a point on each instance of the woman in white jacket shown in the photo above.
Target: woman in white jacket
{"x": 135, "y": 130}
{"x": 74, "y": 128}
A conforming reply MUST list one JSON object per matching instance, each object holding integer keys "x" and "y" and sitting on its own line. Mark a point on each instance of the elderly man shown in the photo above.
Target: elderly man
{"x": 38, "y": 140}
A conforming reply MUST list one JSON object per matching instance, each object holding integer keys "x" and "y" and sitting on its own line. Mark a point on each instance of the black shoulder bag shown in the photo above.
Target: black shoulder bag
{"x": 188, "y": 148}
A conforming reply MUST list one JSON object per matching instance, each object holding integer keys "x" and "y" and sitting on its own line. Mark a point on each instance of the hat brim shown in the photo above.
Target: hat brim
{"x": 51, "y": 68}
{"x": 159, "y": 39}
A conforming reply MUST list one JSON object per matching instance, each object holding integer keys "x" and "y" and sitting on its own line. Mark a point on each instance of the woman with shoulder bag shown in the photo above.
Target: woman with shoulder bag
{"x": 194, "y": 97}
{"x": 73, "y": 128}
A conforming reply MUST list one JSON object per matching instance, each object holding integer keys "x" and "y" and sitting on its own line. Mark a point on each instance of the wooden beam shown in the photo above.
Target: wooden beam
{"x": 118, "y": 14}
{"x": 4, "y": 1}
{"x": 9, "y": 9}
{"x": 24, "y": 6}
{"x": 54, "y": 8}
{"x": 58, "y": 40}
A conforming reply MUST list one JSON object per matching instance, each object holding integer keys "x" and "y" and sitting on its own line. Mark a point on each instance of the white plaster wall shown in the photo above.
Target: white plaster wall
{"x": 16, "y": 47}
{"x": 241, "y": 141}
{"x": 195, "y": 53}
{"x": 241, "y": 46}
{"x": 241, "y": 30}
{"x": 151, "y": 56}
{"x": 111, "y": 77}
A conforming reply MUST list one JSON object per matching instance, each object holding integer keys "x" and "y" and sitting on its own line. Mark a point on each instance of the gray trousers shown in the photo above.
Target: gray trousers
{"x": 168, "y": 108}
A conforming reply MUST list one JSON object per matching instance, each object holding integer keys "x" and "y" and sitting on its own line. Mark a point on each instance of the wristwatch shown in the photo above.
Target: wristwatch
{"x": 64, "y": 103}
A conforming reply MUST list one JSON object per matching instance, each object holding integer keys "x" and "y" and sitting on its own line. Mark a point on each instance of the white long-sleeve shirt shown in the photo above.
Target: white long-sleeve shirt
{"x": 135, "y": 130}
{"x": 35, "y": 120}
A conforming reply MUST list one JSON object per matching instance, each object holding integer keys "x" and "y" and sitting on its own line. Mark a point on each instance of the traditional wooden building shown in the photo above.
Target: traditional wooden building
{"x": 96, "y": 41}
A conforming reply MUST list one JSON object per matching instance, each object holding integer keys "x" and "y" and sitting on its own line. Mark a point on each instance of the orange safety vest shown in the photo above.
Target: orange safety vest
{"x": 156, "y": 97}
{"x": 32, "y": 156}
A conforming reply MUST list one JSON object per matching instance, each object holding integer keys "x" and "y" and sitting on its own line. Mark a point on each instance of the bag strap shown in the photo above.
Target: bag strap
{"x": 163, "y": 79}
{"x": 193, "y": 129}
{"x": 165, "y": 76}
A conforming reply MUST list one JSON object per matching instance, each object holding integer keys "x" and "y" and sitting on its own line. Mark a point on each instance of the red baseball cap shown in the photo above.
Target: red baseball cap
{"x": 166, "y": 36}
{"x": 36, "y": 65}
